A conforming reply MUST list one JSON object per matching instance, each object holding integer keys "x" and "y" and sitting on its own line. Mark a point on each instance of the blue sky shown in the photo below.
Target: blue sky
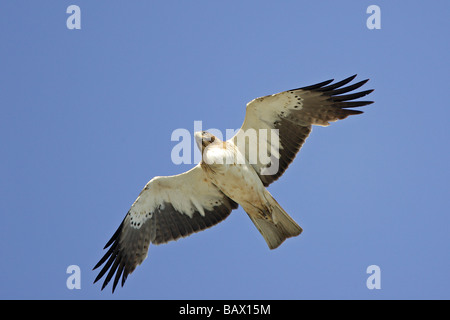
{"x": 87, "y": 117}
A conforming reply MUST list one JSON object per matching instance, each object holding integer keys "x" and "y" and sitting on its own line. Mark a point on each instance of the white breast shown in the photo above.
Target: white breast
{"x": 235, "y": 177}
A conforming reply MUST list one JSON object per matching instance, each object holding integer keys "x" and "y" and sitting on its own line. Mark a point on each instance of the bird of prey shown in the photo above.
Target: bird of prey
{"x": 230, "y": 174}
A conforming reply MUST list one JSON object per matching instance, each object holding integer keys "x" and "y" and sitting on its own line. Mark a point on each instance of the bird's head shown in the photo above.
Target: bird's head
{"x": 204, "y": 139}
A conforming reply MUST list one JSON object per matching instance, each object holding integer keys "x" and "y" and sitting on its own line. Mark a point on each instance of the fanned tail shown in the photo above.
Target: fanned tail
{"x": 275, "y": 225}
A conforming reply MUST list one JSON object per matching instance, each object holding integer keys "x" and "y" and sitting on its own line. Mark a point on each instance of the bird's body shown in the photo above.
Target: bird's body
{"x": 229, "y": 170}
{"x": 231, "y": 173}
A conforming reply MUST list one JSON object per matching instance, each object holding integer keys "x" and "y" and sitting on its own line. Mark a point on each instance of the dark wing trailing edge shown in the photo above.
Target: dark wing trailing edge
{"x": 293, "y": 113}
{"x": 196, "y": 205}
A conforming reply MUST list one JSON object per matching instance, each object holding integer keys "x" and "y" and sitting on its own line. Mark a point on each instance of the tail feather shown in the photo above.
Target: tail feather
{"x": 277, "y": 229}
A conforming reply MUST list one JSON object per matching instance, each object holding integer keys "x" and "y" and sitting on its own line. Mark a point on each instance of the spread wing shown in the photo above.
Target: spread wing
{"x": 292, "y": 112}
{"x": 167, "y": 208}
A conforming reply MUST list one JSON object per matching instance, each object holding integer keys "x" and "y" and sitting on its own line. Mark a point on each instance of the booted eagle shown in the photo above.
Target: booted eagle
{"x": 231, "y": 173}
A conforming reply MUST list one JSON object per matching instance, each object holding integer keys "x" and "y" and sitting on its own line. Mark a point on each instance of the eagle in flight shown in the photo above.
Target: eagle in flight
{"x": 231, "y": 173}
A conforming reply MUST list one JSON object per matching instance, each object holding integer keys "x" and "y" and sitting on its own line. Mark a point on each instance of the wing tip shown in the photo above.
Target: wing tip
{"x": 329, "y": 88}
{"x": 352, "y": 112}
{"x": 113, "y": 261}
